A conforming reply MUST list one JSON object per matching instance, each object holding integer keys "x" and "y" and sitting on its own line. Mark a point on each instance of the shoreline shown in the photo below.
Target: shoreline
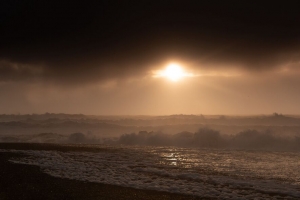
{"x": 29, "y": 182}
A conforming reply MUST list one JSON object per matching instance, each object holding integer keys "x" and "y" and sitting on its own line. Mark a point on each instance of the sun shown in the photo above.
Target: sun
{"x": 173, "y": 71}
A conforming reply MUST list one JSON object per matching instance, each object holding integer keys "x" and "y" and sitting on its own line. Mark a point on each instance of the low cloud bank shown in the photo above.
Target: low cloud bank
{"x": 209, "y": 138}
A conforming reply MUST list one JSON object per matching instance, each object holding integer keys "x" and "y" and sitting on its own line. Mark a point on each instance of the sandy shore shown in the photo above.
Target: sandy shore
{"x": 28, "y": 182}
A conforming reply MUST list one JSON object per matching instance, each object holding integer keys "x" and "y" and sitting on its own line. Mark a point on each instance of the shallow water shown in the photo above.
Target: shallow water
{"x": 224, "y": 174}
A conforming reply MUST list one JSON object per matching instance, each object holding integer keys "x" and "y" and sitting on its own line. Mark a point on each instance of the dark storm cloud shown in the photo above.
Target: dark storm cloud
{"x": 10, "y": 71}
{"x": 96, "y": 40}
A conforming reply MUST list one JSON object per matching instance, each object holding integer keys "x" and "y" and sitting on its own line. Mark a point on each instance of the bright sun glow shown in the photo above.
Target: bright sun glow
{"x": 173, "y": 72}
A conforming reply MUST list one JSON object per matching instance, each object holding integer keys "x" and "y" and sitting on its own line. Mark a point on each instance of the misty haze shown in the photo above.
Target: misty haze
{"x": 149, "y": 100}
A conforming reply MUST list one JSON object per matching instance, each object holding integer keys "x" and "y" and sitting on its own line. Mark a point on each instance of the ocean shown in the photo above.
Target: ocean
{"x": 204, "y": 172}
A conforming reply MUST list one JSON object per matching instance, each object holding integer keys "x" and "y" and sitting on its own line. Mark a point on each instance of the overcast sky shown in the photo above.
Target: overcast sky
{"x": 98, "y": 57}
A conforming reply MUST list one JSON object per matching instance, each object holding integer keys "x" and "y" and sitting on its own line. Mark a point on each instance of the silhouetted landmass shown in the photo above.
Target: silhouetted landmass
{"x": 209, "y": 138}
{"x": 274, "y": 130}
{"x": 52, "y": 118}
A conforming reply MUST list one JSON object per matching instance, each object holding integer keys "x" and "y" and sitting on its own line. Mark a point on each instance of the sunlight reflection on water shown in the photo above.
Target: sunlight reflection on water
{"x": 251, "y": 164}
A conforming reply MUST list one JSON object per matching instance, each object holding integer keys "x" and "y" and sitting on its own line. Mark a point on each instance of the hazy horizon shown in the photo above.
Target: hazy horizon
{"x": 160, "y": 115}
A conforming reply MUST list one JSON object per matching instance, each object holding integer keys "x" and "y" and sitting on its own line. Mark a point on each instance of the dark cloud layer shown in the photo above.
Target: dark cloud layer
{"x": 97, "y": 40}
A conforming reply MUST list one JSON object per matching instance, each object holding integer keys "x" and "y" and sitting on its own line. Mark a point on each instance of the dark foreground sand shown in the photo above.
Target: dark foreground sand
{"x": 28, "y": 182}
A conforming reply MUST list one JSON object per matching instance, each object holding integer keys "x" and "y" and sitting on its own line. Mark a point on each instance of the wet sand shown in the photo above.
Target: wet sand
{"x": 28, "y": 182}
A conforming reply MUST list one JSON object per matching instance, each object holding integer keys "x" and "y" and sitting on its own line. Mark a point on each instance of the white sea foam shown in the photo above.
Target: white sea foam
{"x": 224, "y": 174}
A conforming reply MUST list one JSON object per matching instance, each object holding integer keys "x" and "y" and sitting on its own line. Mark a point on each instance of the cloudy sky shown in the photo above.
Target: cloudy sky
{"x": 102, "y": 57}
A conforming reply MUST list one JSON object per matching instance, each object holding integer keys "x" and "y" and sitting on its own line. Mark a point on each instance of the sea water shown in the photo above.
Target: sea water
{"x": 213, "y": 173}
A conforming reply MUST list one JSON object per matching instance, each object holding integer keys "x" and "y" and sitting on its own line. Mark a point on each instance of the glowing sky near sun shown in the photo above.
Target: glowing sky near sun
{"x": 173, "y": 72}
